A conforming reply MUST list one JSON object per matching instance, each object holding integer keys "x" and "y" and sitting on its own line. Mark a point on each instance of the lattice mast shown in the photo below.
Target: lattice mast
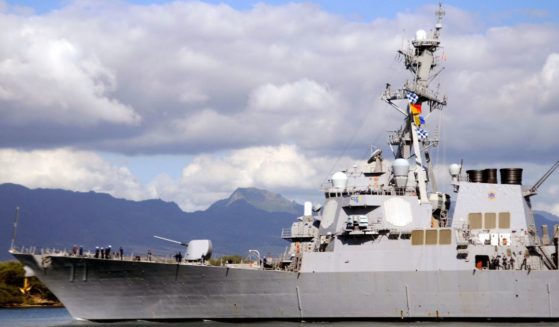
{"x": 413, "y": 139}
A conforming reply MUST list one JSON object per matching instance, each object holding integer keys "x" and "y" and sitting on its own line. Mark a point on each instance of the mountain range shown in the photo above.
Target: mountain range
{"x": 249, "y": 218}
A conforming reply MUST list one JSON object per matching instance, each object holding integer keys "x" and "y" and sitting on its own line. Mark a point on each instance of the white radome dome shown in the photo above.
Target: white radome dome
{"x": 454, "y": 169}
{"x": 420, "y": 35}
{"x": 400, "y": 167}
{"x": 339, "y": 180}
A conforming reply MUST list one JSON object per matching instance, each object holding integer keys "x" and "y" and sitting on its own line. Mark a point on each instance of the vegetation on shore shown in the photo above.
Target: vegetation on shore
{"x": 12, "y": 292}
{"x": 226, "y": 259}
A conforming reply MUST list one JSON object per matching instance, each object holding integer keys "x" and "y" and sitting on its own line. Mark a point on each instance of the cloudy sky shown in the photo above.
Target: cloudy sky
{"x": 187, "y": 100}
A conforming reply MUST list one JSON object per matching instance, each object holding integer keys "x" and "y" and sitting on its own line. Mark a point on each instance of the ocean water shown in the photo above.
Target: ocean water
{"x": 59, "y": 317}
{"x": 34, "y": 317}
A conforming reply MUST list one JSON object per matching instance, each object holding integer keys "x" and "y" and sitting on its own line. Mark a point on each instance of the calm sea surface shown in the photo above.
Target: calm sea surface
{"x": 59, "y": 317}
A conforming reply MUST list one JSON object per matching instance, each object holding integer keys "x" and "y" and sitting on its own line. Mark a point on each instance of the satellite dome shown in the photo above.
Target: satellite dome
{"x": 454, "y": 169}
{"x": 400, "y": 167}
{"x": 420, "y": 35}
{"x": 339, "y": 180}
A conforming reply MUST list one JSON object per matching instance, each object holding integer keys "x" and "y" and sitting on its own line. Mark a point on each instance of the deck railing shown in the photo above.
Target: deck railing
{"x": 144, "y": 257}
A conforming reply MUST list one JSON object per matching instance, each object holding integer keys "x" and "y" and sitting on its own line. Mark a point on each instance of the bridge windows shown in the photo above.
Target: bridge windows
{"x": 475, "y": 220}
{"x": 504, "y": 220}
{"x": 417, "y": 237}
{"x": 489, "y": 220}
{"x": 431, "y": 237}
{"x": 445, "y": 236}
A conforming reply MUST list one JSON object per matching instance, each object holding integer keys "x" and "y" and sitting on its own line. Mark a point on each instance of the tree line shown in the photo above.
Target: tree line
{"x": 15, "y": 293}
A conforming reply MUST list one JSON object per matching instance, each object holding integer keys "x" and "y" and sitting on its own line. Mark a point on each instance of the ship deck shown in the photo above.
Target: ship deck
{"x": 132, "y": 257}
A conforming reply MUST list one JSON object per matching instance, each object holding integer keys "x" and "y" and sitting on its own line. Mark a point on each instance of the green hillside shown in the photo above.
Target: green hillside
{"x": 12, "y": 282}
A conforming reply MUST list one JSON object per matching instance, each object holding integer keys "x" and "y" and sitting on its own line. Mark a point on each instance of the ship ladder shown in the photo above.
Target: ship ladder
{"x": 546, "y": 259}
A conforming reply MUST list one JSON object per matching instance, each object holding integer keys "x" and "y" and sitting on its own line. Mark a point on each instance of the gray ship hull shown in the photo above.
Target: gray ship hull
{"x": 96, "y": 289}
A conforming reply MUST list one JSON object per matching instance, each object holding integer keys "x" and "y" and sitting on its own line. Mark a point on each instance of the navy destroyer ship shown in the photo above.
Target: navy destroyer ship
{"x": 384, "y": 245}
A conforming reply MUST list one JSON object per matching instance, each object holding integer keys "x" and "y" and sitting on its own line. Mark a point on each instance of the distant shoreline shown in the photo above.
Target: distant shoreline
{"x": 32, "y": 306}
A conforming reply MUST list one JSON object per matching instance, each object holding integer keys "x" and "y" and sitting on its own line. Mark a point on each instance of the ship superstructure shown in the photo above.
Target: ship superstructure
{"x": 383, "y": 244}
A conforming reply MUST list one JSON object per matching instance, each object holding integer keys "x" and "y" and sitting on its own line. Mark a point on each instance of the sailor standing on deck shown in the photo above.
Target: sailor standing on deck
{"x": 178, "y": 257}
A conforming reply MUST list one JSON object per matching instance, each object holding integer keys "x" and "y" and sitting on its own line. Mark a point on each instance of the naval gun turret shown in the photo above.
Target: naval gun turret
{"x": 196, "y": 250}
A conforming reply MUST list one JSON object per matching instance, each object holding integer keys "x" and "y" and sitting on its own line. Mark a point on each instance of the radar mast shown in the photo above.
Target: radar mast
{"x": 413, "y": 140}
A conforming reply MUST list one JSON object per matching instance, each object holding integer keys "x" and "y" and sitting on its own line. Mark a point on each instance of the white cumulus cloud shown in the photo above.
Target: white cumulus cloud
{"x": 283, "y": 169}
{"x": 301, "y": 96}
{"x": 68, "y": 169}
{"x": 47, "y": 78}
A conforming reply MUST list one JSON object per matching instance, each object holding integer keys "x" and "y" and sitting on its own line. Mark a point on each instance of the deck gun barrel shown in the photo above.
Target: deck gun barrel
{"x": 170, "y": 240}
